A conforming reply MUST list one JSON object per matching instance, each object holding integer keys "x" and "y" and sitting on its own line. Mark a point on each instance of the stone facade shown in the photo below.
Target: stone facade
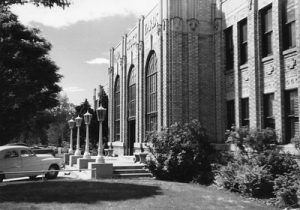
{"x": 192, "y": 81}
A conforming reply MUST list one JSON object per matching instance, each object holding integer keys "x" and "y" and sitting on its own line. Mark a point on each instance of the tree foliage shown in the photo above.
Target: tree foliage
{"x": 28, "y": 77}
{"x": 46, "y": 3}
{"x": 59, "y": 130}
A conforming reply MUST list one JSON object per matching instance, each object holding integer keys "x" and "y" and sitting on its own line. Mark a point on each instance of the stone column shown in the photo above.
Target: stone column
{"x": 278, "y": 70}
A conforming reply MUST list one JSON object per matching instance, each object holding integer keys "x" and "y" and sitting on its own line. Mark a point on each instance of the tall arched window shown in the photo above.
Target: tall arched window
{"x": 131, "y": 94}
{"x": 151, "y": 94}
{"x": 117, "y": 109}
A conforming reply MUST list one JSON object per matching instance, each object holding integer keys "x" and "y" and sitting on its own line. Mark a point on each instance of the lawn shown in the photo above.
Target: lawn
{"x": 118, "y": 194}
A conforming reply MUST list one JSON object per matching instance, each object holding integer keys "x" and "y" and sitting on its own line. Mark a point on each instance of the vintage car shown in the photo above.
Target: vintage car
{"x": 20, "y": 161}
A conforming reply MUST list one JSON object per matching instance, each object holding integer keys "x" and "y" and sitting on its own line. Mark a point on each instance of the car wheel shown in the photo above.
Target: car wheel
{"x": 52, "y": 174}
{"x": 32, "y": 177}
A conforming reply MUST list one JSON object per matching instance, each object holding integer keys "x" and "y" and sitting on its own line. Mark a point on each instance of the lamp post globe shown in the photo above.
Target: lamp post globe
{"x": 78, "y": 121}
{"x": 100, "y": 116}
{"x": 71, "y": 126}
{"x": 87, "y": 120}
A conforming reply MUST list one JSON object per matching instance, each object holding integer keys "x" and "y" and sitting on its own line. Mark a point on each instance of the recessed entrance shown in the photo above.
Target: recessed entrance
{"x": 131, "y": 138}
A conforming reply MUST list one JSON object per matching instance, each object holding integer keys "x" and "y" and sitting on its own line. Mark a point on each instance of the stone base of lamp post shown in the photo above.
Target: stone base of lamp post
{"x": 102, "y": 170}
{"x": 66, "y": 158}
{"x": 73, "y": 159}
{"x": 100, "y": 159}
{"x": 71, "y": 151}
{"x": 87, "y": 155}
{"x": 78, "y": 152}
{"x": 82, "y": 163}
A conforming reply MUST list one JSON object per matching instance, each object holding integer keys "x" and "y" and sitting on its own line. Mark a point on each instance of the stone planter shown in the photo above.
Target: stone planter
{"x": 143, "y": 157}
{"x": 108, "y": 152}
{"x": 136, "y": 157}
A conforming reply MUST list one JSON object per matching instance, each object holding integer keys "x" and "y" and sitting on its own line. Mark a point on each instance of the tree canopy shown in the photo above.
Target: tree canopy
{"x": 46, "y": 3}
{"x": 28, "y": 77}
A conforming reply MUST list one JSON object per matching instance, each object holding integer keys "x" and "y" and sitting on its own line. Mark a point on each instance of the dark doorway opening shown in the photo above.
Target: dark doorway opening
{"x": 131, "y": 137}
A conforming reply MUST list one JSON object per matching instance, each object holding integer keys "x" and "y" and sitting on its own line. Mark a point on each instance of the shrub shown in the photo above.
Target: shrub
{"x": 181, "y": 153}
{"x": 286, "y": 187}
{"x": 251, "y": 140}
{"x": 258, "y": 170}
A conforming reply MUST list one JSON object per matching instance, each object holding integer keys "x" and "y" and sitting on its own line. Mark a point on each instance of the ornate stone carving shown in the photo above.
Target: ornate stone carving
{"x": 141, "y": 45}
{"x": 159, "y": 29}
{"x": 177, "y": 24}
{"x": 250, "y": 4}
{"x": 193, "y": 24}
{"x": 293, "y": 64}
{"x": 270, "y": 70}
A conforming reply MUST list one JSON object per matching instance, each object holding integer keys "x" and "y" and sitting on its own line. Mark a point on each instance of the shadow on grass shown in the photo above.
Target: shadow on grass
{"x": 74, "y": 191}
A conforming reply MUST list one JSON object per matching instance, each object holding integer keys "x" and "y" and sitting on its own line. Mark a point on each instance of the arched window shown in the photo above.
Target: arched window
{"x": 131, "y": 93}
{"x": 117, "y": 109}
{"x": 151, "y": 94}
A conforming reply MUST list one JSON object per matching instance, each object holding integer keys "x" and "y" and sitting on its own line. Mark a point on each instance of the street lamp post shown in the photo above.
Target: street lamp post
{"x": 78, "y": 121}
{"x": 87, "y": 119}
{"x": 71, "y": 126}
{"x": 100, "y": 116}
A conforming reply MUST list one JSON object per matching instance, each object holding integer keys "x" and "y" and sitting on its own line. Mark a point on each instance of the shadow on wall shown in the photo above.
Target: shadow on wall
{"x": 70, "y": 191}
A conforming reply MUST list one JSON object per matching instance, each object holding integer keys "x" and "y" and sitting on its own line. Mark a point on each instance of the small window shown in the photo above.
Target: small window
{"x": 243, "y": 42}
{"x": 245, "y": 112}
{"x": 117, "y": 109}
{"x": 292, "y": 115}
{"x": 26, "y": 153}
{"x": 11, "y": 154}
{"x": 288, "y": 24}
{"x": 229, "y": 48}
{"x": 267, "y": 31}
{"x": 230, "y": 114}
{"x": 268, "y": 111}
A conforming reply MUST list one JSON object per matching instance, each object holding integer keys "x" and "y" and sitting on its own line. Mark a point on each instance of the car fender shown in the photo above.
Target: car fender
{"x": 47, "y": 162}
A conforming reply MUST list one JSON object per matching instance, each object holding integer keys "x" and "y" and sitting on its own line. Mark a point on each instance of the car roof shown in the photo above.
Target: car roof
{"x": 12, "y": 147}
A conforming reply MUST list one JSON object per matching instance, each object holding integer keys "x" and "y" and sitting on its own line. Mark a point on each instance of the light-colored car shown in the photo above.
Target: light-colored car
{"x": 21, "y": 161}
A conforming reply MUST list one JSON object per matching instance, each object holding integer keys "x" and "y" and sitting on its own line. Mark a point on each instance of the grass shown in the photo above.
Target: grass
{"x": 118, "y": 194}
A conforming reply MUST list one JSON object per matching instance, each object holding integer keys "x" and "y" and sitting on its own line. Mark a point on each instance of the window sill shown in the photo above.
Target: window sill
{"x": 244, "y": 66}
{"x": 267, "y": 58}
{"x": 289, "y": 51}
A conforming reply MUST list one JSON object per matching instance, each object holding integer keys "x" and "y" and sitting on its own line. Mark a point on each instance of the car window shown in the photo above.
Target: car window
{"x": 11, "y": 154}
{"x": 26, "y": 153}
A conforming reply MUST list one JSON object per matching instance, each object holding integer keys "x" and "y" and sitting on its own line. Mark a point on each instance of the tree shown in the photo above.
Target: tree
{"x": 94, "y": 126}
{"x": 59, "y": 130}
{"x": 28, "y": 78}
{"x": 46, "y": 3}
{"x": 103, "y": 100}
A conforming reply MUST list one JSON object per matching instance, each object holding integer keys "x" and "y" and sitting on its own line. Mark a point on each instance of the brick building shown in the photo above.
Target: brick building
{"x": 223, "y": 62}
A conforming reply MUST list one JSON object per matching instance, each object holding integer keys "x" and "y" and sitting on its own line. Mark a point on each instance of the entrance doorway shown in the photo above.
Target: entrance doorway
{"x": 131, "y": 138}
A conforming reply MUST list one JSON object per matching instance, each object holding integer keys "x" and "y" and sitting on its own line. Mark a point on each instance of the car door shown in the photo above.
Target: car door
{"x": 10, "y": 163}
{"x": 31, "y": 164}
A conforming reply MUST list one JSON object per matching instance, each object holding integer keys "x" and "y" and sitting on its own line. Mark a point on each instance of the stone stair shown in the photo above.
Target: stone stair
{"x": 131, "y": 171}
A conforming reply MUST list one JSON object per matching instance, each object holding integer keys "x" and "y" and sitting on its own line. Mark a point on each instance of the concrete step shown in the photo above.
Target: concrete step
{"x": 130, "y": 171}
{"x": 132, "y": 175}
{"x": 129, "y": 167}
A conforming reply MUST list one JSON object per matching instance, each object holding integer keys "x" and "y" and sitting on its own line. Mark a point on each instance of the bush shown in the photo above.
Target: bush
{"x": 244, "y": 174}
{"x": 257, "y": 169}
{"x": 251, "y": 140}
{"x": 181, "y": 153}
{"x": 286, "y": 187}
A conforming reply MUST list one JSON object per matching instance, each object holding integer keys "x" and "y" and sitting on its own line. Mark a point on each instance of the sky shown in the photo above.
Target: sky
{"x": 81, "y": 36}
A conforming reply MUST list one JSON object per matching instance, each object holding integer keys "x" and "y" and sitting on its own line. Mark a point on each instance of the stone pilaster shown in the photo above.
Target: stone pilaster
{"x": 254, "y": 68}
{"x": 278, "y": 70}
{"x": 237, "y": 75}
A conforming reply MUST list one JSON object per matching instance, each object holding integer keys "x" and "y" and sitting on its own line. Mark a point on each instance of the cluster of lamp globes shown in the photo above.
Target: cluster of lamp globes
{"x": 101, "y": 112}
